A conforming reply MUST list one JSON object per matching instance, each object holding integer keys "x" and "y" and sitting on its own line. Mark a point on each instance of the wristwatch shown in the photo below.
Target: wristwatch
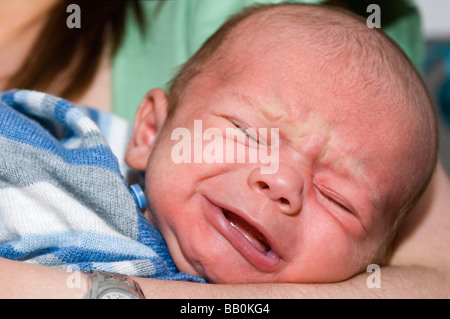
{"x": 107, "y": 285}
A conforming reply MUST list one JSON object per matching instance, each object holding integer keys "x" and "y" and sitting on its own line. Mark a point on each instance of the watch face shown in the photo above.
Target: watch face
{"x": 115, "y": 293}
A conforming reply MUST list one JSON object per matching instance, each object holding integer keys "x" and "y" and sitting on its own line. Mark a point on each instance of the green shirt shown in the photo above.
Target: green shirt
{"x": 177, "y": 28}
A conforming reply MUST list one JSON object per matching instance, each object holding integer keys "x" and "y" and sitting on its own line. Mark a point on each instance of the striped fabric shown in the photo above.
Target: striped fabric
{"x": 63, "y": 200}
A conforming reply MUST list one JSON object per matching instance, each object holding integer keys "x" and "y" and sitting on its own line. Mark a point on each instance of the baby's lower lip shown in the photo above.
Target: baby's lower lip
{"x": 247, "y": 240}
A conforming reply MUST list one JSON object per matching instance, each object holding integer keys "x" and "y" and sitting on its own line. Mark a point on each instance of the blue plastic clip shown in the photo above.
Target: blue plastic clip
{"x": 138, "y": 196}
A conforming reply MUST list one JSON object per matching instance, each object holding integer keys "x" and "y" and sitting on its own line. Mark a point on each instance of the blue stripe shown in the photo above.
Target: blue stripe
{"x": 16, "y": 126}
{"x": 89, "y": 240}
{"x": 10, "y": 252}
{"x": 60, "y": 111}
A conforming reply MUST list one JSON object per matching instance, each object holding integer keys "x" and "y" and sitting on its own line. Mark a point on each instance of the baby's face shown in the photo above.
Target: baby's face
{"x": 318, "y": 214}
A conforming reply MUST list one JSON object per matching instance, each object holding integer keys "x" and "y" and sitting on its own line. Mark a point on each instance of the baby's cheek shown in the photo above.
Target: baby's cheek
{"x": 330, "y": 254}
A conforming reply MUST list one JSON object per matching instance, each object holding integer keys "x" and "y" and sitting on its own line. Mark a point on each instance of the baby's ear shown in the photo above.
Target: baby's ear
{"x": 150, "y": 118}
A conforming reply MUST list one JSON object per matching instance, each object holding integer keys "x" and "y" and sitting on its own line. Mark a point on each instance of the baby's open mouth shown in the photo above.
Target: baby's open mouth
{"x": 245, "y": 237}
{"x": 252, "y": 234}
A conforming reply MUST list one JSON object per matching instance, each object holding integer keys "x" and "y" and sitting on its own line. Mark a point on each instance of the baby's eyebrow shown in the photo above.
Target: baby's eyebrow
{"x": 259, "y": 106}
{"x": 345, "y": 165}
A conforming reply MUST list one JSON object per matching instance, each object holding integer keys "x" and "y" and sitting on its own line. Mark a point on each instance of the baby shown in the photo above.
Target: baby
{"x": 355, "y": 147}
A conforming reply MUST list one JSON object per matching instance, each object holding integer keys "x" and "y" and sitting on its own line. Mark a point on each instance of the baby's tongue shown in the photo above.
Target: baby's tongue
{"x": 249, "y": 232}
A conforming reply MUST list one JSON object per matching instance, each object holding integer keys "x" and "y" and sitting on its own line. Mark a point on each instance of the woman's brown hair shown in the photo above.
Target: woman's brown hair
{"x": 65, "y": 60}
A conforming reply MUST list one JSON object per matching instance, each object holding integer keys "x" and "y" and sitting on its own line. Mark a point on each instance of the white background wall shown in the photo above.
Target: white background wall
{"x": 435, "y": 18}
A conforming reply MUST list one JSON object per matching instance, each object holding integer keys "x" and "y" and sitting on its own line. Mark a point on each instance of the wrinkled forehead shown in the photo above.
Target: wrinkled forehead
{"x": 298, "y": 79}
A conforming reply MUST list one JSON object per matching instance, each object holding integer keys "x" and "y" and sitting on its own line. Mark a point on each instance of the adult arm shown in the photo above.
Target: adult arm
{"x": 396, "y": 282}
{"x": 22, "y": 280}
{"x": 30, "y": 281}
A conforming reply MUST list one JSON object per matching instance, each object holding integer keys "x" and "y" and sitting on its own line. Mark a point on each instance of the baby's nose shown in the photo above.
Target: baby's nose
{"x": 284, "y": 187}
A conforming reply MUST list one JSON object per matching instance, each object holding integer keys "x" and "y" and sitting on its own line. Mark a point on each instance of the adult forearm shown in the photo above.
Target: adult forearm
{"x": 395, "y": 282}
{"x": 24, "y": 280}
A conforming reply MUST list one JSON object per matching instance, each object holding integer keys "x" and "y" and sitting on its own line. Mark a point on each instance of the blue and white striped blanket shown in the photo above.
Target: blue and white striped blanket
{"x": 63, "y": 200}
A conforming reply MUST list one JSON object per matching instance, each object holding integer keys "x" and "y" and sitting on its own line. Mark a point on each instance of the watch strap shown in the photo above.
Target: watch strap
{"x": 102, "y": 281}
